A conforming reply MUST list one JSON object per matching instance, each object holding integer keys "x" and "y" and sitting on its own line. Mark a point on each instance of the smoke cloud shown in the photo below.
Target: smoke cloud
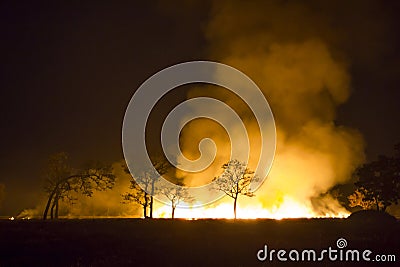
{"x": 288, "y": 50}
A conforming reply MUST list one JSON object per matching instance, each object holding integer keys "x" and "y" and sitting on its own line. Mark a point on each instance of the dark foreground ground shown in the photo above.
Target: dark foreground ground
{"x": 137, "y": 242}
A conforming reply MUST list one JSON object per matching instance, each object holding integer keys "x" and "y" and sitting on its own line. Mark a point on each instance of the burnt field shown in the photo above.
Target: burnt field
{"x": 163, "y": 242}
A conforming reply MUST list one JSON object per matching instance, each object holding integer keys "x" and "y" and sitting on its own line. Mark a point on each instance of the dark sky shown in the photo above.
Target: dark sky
{"x": 68, "y": 71}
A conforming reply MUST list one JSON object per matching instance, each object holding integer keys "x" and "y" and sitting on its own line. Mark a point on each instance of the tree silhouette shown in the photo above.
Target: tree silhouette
{"x": 143, "y": 185}
{"x": 235, "y": 180}
{"x": 176, "y": 194}
{"x": 62, "y": 180}
{"x": 379, "y": 181}
{"x": 162, "y": 167}
{"x": 137, "y": 195}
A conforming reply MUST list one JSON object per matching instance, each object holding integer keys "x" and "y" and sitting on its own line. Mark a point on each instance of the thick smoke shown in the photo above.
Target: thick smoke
{"x": 286, "y": 49}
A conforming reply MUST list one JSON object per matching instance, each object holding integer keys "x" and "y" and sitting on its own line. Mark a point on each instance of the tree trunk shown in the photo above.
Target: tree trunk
{"x": 234, "y": 206}
{"x": 49, "y": 200}
{"x": 377, "y": 204}
{"x": 52, "y": 209}
{"x": 145, "y": 204}
{"x": 151, "y": 197}
{"x": 144, "y": 211}
{"x": 46, "y": 210}
{"x": 173, "y": 212}
{"x": 56, "y": 212}
{"x": 151, "y": 206}
{"x": 236, "y": 197}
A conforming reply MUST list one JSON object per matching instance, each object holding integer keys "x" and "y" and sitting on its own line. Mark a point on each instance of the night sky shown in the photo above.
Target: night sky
{"x": 68, "y": 72}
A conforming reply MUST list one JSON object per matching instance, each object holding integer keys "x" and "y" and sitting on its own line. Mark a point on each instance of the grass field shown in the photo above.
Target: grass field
{"x": 164, "y": 242}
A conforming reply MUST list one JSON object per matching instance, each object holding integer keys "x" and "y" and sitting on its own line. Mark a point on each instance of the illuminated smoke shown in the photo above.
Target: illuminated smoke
{"x": 285, "y": 48}
{"x": 105, "y": 203}
{"x": 101, "y": 204}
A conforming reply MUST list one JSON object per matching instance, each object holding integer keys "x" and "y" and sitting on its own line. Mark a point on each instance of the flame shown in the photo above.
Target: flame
{"x": 287, "y": 208}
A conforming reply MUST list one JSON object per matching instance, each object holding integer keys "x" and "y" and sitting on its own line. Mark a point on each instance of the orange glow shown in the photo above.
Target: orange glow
{"x": 287, "y": 209}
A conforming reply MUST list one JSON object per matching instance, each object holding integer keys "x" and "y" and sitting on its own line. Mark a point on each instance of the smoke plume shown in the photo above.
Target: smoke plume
{"x": 287, "y": 49}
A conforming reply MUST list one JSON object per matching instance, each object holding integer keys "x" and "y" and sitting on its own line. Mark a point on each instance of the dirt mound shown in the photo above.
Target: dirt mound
{"x": 372, "y": 216}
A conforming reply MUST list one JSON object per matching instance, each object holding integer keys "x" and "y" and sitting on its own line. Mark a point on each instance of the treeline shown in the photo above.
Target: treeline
{"x": 63, "y": 182}
{"x": 376, "y": 184}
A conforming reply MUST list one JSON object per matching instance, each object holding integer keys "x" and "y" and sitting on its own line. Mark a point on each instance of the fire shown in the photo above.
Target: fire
{"x": 289, "y": 208}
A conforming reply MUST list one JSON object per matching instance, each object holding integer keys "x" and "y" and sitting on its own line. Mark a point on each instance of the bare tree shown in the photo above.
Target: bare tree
{"x": 162, "y": 168}
{"x": 143, "y": 185}
{"x": 137, "y": 195}
{"x": 235, "y": 180}
{"x": 177, "y": 194}
{"x": 62, "y": 180}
